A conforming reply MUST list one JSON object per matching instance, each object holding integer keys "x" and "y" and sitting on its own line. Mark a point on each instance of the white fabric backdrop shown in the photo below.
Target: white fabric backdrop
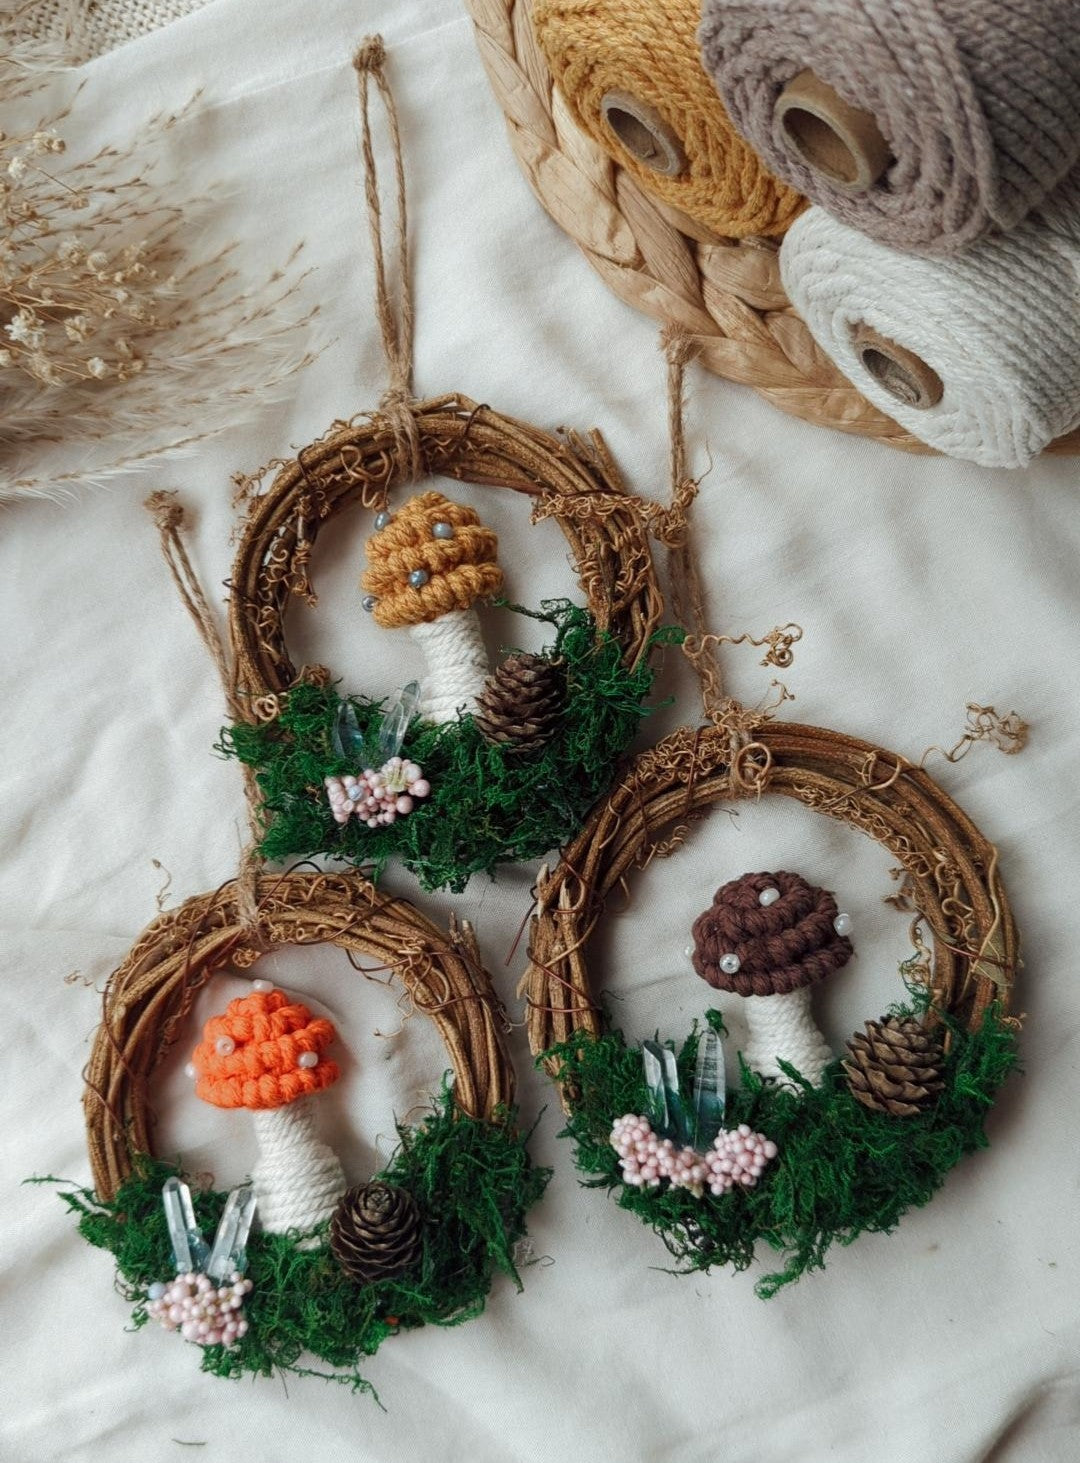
{"x": 921, "y": 584}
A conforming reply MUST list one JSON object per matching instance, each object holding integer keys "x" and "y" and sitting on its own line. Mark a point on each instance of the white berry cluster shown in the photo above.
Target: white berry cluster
{"x": 199, "y": 1310}
{"x": 378, "y": 795}
{"x": 737, "y": 1157}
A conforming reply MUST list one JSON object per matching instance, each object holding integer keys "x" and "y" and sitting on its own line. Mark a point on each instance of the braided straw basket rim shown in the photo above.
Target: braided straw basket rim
{"x": 725, "y": 293}
{"x": 951, "y": 868}
{"x": 150, "y": 994}
{"x": 363, "y": 462}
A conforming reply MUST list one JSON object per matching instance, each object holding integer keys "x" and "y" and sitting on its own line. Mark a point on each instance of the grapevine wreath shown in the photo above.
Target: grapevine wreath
{"x": 474, "y": 768}
{"x": 332, "y": 1270}
{"x": 807, "y": 1149}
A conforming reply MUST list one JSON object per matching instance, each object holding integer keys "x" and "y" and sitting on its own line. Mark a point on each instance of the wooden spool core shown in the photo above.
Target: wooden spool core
{"x": 644, "y": 134}
{"x": 901, "y": 372}
{"x": 837, "y": 140}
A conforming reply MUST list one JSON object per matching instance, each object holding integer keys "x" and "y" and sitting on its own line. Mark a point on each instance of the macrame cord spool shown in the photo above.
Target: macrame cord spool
{"x": 725, "y": 293}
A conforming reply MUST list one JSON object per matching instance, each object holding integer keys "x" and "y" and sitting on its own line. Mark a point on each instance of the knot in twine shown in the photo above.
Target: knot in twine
{"x": 249, "y": 910}
{"x": 397, "y": 404}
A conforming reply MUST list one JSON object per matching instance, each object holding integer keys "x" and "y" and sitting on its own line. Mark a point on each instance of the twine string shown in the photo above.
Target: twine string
{"x": 168, "y": 514}
{"x": 749, "y": 761}
{"x": 395, "y": 319}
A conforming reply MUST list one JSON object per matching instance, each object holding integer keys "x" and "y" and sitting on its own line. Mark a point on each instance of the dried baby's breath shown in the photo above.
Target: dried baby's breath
{"x": 122, "y": 335}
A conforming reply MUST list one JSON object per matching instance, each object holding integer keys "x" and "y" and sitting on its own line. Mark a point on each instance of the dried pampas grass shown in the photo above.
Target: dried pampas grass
{"x": 123, "y": 335}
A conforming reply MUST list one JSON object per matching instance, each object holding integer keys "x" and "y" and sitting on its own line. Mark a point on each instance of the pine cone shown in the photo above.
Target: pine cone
{"x": 521, "y": 703}
{"x": 896, "y": 1067}
{"x": 375, "y": 1232}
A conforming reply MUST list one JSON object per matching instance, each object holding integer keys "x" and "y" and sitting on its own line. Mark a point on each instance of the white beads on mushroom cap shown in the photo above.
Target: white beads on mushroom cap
{"x": 308, "y": 1059}
{"x": 264, "y": 987}
{"x": 843, "y": 924}
{"x": 224, "y": 1046}
{"x": 768, "y": 896}
{"x": 730, "y": 963}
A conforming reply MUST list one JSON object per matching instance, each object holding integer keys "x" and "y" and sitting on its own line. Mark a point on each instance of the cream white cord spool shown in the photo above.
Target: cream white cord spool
{"x": 998, "y": 326}
{"x": 457, "y": 660}
{"x": 298, "y": 1178}
{"x": 781, "y": 1028}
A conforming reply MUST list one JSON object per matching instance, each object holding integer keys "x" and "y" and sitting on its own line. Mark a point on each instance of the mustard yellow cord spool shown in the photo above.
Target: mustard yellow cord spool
{"x": 632, "y": 78}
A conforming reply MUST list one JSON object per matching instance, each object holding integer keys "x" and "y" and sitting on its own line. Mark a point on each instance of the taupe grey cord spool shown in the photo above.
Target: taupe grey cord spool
{"x": 840, "y": 142}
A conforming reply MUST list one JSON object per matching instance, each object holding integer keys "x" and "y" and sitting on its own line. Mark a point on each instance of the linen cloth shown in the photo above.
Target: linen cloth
{"x": 921, "y": 584}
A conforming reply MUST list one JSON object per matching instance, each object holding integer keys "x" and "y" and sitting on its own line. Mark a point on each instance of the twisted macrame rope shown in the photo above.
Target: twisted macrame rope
{"x": 979, "y": 101}
{"x": 783, "y": 1027}
{"x": 457, "y": 662}
{"x": 298, "y": 1178}
{"x": 999, "y": 324}
{"x": 647, "y": 49}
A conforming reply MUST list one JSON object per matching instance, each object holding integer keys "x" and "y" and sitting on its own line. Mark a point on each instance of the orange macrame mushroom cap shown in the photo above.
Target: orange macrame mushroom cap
{"x": 460, "y": 569}
{"x": 250, "y": 1056}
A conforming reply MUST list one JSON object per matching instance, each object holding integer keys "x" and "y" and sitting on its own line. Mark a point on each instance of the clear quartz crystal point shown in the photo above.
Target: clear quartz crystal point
{"x": 347, "y": 738}
{"x": 400, "y": 711}
{"x": 709, "y": 1093}
{"x": 228, "y": 1254}
{"x": 656, "y": 1101}
{"x": 189, "y": 1249}
{"x": 662, "y": 1077}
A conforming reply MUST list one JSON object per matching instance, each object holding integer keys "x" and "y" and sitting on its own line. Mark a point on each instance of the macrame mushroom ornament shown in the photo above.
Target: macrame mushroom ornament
{"x": 428, "y": 565}
{"x": 265, "y": 1054}
{"x": 770, "y": 938}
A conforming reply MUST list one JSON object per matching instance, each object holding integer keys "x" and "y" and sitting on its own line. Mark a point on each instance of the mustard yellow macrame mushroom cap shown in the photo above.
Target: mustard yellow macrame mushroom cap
{"x": 459, "y": 565}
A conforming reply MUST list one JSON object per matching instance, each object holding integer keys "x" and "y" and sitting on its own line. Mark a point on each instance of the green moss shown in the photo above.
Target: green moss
{"x": 474, "y": 1183}
{"x": 487, "y": 805}
{"x": 841, "y": 1171}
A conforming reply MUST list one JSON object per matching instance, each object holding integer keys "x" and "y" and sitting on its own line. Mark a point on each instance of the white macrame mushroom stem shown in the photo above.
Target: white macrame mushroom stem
{"x": 781, "y": 1028}
{"x": 457, "y": 663}
{"x": 298, "y": 1179}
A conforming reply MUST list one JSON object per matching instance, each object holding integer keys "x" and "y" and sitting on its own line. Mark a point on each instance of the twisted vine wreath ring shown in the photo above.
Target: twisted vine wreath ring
{"x": 458, "y": 1185}
{"x": 796, "y": 1163}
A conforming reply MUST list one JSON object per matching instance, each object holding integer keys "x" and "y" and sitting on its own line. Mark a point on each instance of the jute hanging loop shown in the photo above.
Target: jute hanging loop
{"x": 395, "y": 323}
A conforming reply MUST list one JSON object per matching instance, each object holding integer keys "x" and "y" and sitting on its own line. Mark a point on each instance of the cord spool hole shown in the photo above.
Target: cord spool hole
{"x": 841, "y": 142}
{"x": 644, "y": 134}
{"x": 902, "y": 373}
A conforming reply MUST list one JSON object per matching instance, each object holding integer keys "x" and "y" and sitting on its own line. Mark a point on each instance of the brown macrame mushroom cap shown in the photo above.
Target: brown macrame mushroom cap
{"x": 460, "y": 570}
{"x": 781, "y": 946}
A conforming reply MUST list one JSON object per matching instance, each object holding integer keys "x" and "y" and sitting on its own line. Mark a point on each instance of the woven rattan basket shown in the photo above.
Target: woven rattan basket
{"x": 726, "y": 293}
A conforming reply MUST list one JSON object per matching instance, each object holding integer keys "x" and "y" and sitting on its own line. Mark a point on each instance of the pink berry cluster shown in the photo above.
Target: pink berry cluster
{"x": 199, "y": 1310}
{"x": 377, "y": 797}
{"x": 737, "y": 1157}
